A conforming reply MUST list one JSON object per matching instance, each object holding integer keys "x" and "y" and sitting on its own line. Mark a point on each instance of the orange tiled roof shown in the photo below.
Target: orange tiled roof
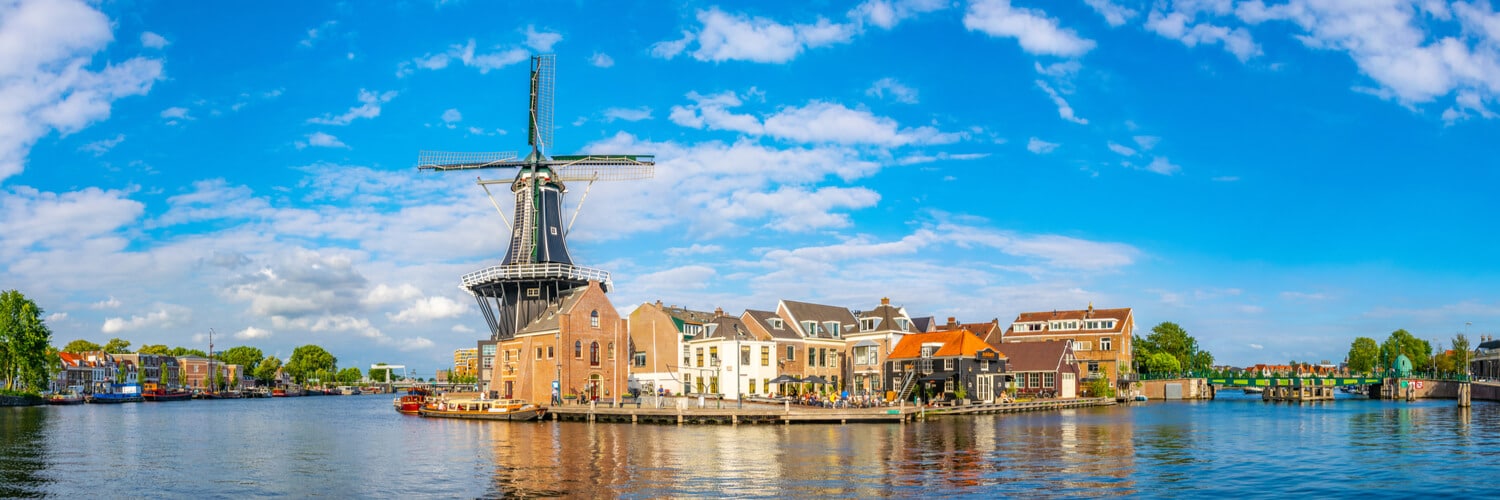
{"x": 955, "y": 343}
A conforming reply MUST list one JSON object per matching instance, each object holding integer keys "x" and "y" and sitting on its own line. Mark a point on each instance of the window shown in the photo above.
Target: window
{"x": 1033, "y": 380}
{"x": 507, "y": 356}
{"x": 823, "y": 358}
{"x": 488, "y": 350}
{"x": 752, "y": 386}
{"x": 550, "y": 353}
{"x": 538, "y": 353}
{"x": 791, "y": 353}
{"x": 692, "y": 330}
{"x": 775, "y": 323}
{"x": 903, "y": 324}
{"x": 833, "y": 328}
{"x": 489, "y": 362}
{"x": 1106, "y": 344}
{"x": 686, "y": 356}
{"x": 533, "y": 292}
{"x": 875, "y": 383}
{"x": 947, "y": 386}
{"x": 594, "y": 319}
{"x": 687, "y": 382}
{"x": 1048, "y": 380}
{"x": 713, "y": 354}
{"x": 765, "y": 355}
{"x": 833, "y": 361}
{"x": 810, "y": 328}
{"x": 867, "y": 324}
{"x": 640, "y": 359}
{"x": 812, "y": 357}
{"x": 1093, "y": 367}
{"x": 593, "y": 354}
{"x": 1083, "y": 345}
{"x": 700, "y": 357}
{"x": 948, "y": 364}
{"x": 713, "y": 384}
{"x": 744, "y": 355}
{"x": 578, "y": 349}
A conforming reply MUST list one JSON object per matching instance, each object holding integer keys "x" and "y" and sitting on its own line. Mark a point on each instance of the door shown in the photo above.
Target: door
{"x": 1069, "y": 385}
{"x": 986, "y": 388}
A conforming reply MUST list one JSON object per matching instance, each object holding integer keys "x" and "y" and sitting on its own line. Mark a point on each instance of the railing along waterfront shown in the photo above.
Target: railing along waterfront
{"x": 534, "y": 271}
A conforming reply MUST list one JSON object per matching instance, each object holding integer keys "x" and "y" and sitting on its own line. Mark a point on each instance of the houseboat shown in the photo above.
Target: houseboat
{"x": 412, "y": 402}
{"x": 151, "y": 391}
{"x": 66, "y": 397}
{"x": 123, "y": 393}
{"x": 482, "y": 409}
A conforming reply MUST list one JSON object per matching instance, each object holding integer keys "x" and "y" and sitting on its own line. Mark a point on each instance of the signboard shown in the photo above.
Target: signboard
{"x": 554, "y": 385}
{"x": 1419, "y": 384}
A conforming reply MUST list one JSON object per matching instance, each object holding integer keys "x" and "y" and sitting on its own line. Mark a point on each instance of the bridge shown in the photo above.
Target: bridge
{"x": 1256, "y": 381}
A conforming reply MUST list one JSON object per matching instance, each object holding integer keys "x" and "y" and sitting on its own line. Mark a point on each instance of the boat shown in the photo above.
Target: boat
{"x": 369, "y": 389}
{"x": 482, "y": 409}
{"x": 1141, "y": 397}
{"x": 124, "y": 393}
{"x": 290, "y": 391}
{"x": 1254, "y": 390}
{"x": 153, "y": 392}
{"x": 65, "y": 397}
{"x": 345, "y": 390}
{"x": 412, "y": 402}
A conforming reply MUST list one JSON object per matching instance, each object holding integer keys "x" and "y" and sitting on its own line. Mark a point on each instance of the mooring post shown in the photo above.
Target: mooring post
{"x": 1464, "y": 394}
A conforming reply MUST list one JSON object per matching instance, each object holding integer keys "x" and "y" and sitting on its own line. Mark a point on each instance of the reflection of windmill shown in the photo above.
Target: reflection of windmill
{"x": 537, "y": 269}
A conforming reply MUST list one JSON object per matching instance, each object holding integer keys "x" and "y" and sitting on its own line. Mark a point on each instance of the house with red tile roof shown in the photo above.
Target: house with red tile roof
{"x": 1101, "y": 337}
{"x": 945, "y": 365}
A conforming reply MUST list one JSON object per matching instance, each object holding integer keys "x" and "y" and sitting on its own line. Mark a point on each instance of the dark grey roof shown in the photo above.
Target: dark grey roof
{"x": 1034, "y": 356}
{"x": 784, "y": 333}
{"x": 688, "y": 315}
{"x": 806, "y": 311}
{"x": 726, "y": 327}
{"x": 924, "y": 324}
{"x": 886, "y": 314}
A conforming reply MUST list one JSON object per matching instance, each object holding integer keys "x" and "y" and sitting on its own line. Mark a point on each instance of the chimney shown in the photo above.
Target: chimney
{"x": 718, "y": 312}
{"x": 1090, "y": 312}
{"x": 952, "y": 321}
{"x": 658, "y": 303}
{"x": 885, "y": 301}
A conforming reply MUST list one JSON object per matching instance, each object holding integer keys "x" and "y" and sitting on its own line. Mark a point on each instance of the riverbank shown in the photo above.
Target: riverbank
{"x": 22, "y": 400}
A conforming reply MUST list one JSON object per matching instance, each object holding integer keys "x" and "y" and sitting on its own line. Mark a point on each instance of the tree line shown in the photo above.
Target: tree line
{"x": 1366, "y": 356}
{"x": 1169, "y": 350}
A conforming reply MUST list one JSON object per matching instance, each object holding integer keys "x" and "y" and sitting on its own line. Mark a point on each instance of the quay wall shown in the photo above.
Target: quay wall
{"x": 1192, "y": 388}
{"x": 1485, "y": 391}
{"x": 22, "y": 401}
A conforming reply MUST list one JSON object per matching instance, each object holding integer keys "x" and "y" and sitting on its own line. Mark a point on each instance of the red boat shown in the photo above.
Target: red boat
{"x": 153, "y": 392}
{"x": 412, "y": 402}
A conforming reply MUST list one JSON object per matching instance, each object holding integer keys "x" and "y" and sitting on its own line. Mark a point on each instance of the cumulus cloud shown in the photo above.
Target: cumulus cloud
{"x": 322, "y": 140}
{"x": 723, "y": 36}
{"x": 1120, "y": 149}
{"x": 627, "y": 114}
{"x": 429, "y": 309}
{"x": 110, "y": 303}
{"x": 1161, "y": 166}
{"x": 164, "y": 317}
{"x": 601, "y": 60}
{"x": 1041, "y": 147}
{"x": 251, "y": 333}
{"x": 891, "y": 88}
{"x": 153, "y": 40}
{"x": 1114, "y": 14}
{"x": 369, "y": 107}
{"x": 888, "y": 13}
{"x": 45, "y": 50}
{"x": 541, "y": 41}
{"x": 1032, "y": 29}
{"x": 467, "y": 55}
{"x": 1179, "y": 25}
{"x": 1064, "y": 110}
{"x": 102, "y": 146}
{"x": 451, "y": 117}
{"x": 815, "y": 122}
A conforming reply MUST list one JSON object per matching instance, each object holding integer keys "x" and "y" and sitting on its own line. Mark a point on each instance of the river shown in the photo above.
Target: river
{"x": 358, "y": 447}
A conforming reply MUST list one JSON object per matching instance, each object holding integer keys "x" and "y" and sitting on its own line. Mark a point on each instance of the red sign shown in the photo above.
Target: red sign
{"x": 1419, "y": 384}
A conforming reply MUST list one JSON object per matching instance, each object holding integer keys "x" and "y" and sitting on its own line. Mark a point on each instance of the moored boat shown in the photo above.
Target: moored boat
{"x": 67, "y": 397}
{"x": 347, "y": 390}
{"x": 123, "y": 393}
{"x": 369, "y": 389}
{"x": 482, "y": 409}
{"x": 154, "y": 392}
{"x": 412, "y": 402}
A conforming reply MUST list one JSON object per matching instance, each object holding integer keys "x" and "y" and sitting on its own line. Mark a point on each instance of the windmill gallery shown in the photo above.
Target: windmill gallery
{"x": 555, "y": 335}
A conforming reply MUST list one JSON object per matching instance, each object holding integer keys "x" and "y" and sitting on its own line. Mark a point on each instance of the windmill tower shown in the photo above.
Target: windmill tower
{"x": 537, "y": 270}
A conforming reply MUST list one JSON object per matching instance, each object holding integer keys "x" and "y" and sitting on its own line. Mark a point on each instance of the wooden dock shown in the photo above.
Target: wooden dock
{"x": 771, "y": 414}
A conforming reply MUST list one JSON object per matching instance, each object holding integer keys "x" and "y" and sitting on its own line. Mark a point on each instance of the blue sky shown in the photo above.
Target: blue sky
{"x": 1277, "y": 177}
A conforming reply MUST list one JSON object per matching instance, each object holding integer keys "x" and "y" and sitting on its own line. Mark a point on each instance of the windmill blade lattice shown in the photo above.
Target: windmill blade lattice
{"x": 458, "y": 160}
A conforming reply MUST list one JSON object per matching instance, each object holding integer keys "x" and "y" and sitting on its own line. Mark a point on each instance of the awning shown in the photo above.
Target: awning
{"x": 866, "y": 343}
{"x": 785, "y": 379}
{"x": 814, "y": 379}
{"x": 936, "y": 377}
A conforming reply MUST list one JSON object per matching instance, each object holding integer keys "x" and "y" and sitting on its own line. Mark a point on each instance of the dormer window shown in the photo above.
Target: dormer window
{"x": 868, "y": 324}
{"x": 810, "y": 328}
{"x": 710, "y": 328}
{"x": 775, "y": 323}
{"x": 903, "y": 324}
{"x": 692, "y": 330}
{"x": 833, "y": 328}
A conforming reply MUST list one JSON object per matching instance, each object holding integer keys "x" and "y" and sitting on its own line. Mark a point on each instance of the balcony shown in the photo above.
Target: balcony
{"x": 545, "y": 270}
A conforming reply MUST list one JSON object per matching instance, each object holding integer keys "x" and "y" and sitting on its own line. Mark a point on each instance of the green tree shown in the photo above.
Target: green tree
{"x": 378, "y": 374}
{"x": 1464, "y": 352}
{"x": 157, "y": 349}
{"x": 1402, "y": 342}
{"x": 1099, "y": 388}
{"x": 1160, "y": 362}
{"x": 1172, "y": 339}
{"x": 81, "y": 345}
{"x": 245, "y": 356}
{"x": 1364, "y": 353}
{"x": 183, "y": 351}
{"x": 117, "y": 346}
{"x": 24, "y": 343}
{"x": 308, "y": 359}
{"x": 350, "y": 375}
{"x": 266, "y": 370}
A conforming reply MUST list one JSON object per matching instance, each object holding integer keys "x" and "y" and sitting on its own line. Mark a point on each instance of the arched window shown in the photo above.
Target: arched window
{"x": 594, "y": 319}
{"x": 578, "y": 349}
{"x": 594, "y": 354}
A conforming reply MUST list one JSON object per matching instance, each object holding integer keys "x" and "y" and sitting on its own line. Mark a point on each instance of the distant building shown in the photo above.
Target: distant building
{"x": 731, "y": 360}
{"x": 466, "y": 362}
{"x": 1486, "y": 362}
{"x": 1101, "y": 337}
{"x": 660, "y": 357}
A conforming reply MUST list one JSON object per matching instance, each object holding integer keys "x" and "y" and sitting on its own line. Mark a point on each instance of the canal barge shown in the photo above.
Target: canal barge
{"x": 482, "y": 409}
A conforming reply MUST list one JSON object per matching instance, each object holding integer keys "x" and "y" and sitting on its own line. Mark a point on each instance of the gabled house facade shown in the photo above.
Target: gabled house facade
{"x": 788, "y": 345}
{"x": 946, "y": 365}
{"x": 730, "y": 359}
{"x": 1042, "y": 368}
{"x": 880, "y": 329}
{"x": 659, "y": 356}
{"x": 578, "y": 344}
{"x": 1101, "y": 338}
{"x": 991, "y": 332}
{"x": 822, "y": 329}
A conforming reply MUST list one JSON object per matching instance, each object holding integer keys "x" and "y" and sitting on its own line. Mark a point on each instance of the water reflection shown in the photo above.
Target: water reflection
{"x": 23, "y": 452}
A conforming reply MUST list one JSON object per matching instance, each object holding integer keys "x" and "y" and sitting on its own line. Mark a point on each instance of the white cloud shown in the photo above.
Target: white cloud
{"x": 1037, "y": 33}
{"x": 1063, "y": 109}
{"x": 110, "y": 303}
{"x": 1179, "y": 26}
{"x": 1041, "y": 147}
{"x": 541, "y": 41}
{"x": 1256, "y": 346}
{"x": 153, "y": 40}
{"x": 627, "y": 114}
{"x": 386, "y": 294}
{"x": 322, "y": 140}
{"x": 250, "y": 333}
{"x": 369, "y": 107}
{"x": 695, "y": 249}
{"x": 167, "y": 316}
{"x": 1114, "y": 14}
{"x": 429, "y": 309}
{"x": 102, "y": 146}
{"x": 816, "y": 122}
{"x": 1161, "y": 166}
{"x": 601, "y": 60}
{"x": 1304, "y": 296}
{"x": 890, "y": 87}
{"x": 56, "y": 317}
{"x": 45, "y": 50}
{"x": 1226, "y": 178}
{"x": 451, "y": 117}
{"x": 736, "y": 37}
{"x": 887, "y": 14}
{"x": 467, "y": 55}
{"x": 314, "y": 34}
{"x": 1146, "y": 142}
{"x": 176, "y": 113}
{"x": 462, "y": 329}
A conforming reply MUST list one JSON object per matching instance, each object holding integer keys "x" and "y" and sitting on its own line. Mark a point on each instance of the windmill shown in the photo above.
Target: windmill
{"x": 537, "y": 269}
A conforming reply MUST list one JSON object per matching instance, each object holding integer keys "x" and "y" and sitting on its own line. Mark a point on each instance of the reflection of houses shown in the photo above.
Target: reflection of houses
{"x": 661, "y": 358}
{"x": 1037, "y": 367}
{"x": 937, "y": 364}
{"x": 1101, "y": 337}
{"x": 880, "y": 329}
{"x": 730, "y": 359}
{"x": 574, "y": 343}
{"x": 1486, "y": 362}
